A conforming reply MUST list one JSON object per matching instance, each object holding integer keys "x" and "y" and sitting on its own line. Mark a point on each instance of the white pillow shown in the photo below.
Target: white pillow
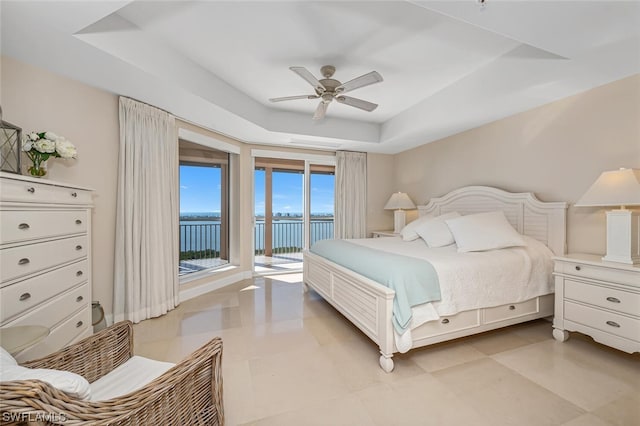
{"x": 436, "y": 232}
{"x": 409, "y": 233}
{"x": 484, "y": 231}
{"x": 72, "y": 384}
{"x": 6, "y": 359}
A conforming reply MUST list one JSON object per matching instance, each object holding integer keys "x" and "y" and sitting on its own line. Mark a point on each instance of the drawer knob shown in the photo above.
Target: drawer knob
{"x": 613, "y": 299}
{"x": 613, "y": 324}
{"x": 79, "y": 274}
{"x": 79, "y": 324}
{"x": 25, "y": 296}
{"x": 578, "y": 268}
{"x": 23, "y": 261}
{"x": 24, "y": 226}
{"x": 31, "y": 189}
{"x": 74, "y": 194}
{"x": 78, "y": 222}
{"x": 78, "y": 247}
{"x": 512, "y": 308}
{"x": 445, "y": 321}
{"x": 79, "y": 299}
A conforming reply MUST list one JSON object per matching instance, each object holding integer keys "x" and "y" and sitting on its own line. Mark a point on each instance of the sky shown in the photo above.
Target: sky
{"x": 200, "y": 191}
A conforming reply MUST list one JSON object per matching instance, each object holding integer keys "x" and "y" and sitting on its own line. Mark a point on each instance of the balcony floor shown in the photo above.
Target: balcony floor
{"x": 280, "y": 263}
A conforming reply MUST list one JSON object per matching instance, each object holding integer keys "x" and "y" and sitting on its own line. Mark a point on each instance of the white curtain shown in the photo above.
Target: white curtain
{"x": 351, "y": 195}
{"x": 146, "y": 252}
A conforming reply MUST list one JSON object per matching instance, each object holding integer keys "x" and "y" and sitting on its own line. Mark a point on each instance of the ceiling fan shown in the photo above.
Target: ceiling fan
{"x": 329, "y": 89}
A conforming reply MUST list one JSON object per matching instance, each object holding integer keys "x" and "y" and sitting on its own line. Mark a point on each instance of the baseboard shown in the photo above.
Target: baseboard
{"x": 214, "y": 285}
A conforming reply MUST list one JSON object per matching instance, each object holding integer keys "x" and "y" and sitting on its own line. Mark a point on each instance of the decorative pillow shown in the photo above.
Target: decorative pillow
{"x": 484, "y": 231}
{"x": 409, "y": 233}
{"x": 436, "y": 232}
{"x": 72, "y": 384}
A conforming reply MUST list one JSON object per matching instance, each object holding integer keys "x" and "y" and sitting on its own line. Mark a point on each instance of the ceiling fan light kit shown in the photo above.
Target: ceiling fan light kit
{"x": 328, "y": 89}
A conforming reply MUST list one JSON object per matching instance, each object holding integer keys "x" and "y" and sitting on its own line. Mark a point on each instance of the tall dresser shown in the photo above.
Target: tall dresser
{"x": 45, "y": 260}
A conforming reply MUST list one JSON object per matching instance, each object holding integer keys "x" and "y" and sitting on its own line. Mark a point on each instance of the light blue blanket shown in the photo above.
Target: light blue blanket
{"x": 415, "y": 281}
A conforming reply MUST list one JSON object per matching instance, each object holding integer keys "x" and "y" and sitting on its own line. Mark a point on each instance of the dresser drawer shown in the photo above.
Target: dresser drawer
{"x": 600, "y": 273}
{"x": 57, "y": 309}
{"x": 60, "y": 336}
{"x": 512, "y": 310}
{"x": 24, "y": 295}
{"x": 611, "y": 323}
{"x": 24, "y": 260}
{"x": 31, "y": 192}
{"x": 25, "y": 225}
{"x": 616, "y": 300}
{"x": 460, "y": 321}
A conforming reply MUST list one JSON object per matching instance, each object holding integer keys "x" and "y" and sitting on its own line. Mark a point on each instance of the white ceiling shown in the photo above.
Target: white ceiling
{"x": 448, "y": 66}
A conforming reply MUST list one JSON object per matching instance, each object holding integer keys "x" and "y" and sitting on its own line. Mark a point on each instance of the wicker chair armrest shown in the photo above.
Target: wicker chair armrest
{"x": 188, "y": 393}
{"x": 94, "y": 356}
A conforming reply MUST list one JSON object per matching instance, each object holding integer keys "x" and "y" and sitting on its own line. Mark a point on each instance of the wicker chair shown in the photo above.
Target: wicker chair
{"x": 189, "y": 393}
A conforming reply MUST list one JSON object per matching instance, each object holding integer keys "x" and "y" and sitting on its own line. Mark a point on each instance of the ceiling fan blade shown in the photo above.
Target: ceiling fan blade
{"x": 358, "y": 82}
{"x": 293, "y": 98}
{"x": 321, "y": 110}
{"x": 355, "y": 102}
{"x": 308, "y": 77}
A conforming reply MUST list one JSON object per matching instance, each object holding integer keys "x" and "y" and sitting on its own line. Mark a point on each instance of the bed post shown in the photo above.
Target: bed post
{"x": 387, "y": 343}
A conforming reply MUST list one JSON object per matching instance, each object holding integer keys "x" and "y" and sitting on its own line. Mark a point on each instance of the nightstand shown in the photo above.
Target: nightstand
{"x": 389, "y": 233}
{"x": 597, "y": 298}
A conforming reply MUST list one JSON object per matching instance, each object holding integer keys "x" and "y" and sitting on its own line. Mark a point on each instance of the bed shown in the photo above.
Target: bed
{"x": 369, "y": 305}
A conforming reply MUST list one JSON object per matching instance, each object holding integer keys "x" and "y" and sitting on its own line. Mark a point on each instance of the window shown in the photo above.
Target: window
{"x": 204, "y": 208}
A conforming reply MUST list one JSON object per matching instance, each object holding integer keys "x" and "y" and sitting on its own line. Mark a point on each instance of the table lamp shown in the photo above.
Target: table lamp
{"x": 398, "y": 202}
{"x": 618, "y": 188}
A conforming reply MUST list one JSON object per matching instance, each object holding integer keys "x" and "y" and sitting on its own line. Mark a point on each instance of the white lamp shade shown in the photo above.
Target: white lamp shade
{"x": 614, "y": 188}
{"x": 399, "y": 200}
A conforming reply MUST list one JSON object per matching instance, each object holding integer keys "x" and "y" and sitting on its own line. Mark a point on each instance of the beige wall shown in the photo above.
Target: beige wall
{"x": 37, "y": 100}
{"x": 379, "y": 189}
{"x": 556, "y": 151}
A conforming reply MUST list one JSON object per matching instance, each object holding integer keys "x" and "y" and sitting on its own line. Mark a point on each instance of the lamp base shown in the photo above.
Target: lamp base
{"x": 399, "y": 217}
{"x": 623, "y": 237}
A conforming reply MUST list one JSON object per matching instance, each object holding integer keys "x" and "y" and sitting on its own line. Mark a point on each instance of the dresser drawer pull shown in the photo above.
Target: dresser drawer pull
{"x": 25, "y": 296}
{"x": 31, "y": 189}
{"x": 613, "y": 324}
{"x": 23, "y": 261}
{"x": 78, "y": 247}
{"x": 79, "y": 324}
{"x": 79, "y": 274}
{"x": 613, "y": 299}
{"x": 74, "y": 194}
{"x": 578, "y": 268}
{"x": 512, "y": 308}
{"x": 24, "y": 226}
{"x": 79, "y": 299}
{"x": 78, "y": 222}
{"x": 445, "y": 321}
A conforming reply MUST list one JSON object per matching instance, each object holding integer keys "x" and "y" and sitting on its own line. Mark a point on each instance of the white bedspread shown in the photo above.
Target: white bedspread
{"x": 473, "y": 280}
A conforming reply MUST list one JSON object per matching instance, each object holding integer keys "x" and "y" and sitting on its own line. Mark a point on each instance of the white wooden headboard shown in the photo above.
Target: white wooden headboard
{"x": 545, "y": 222}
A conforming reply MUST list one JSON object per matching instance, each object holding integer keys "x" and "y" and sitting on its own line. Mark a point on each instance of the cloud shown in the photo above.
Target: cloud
{"x": 183, "y": 187}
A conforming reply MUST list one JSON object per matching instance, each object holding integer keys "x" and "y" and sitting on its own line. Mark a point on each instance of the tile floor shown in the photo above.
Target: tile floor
{"x": 291, "y": 359}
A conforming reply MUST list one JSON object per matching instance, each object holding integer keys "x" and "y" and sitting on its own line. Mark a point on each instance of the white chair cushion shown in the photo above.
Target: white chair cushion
{"x": 435, "y": 232}
{"x": 130, "y": 376}
{"x": 6, "y": 358}
{"x": 72, "y": 384}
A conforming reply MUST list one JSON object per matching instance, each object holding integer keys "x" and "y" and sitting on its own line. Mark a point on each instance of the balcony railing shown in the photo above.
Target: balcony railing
{"x": 200, "y": 242}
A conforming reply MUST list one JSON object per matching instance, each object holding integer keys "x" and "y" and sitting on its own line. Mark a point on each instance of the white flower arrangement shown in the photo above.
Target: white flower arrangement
{"x": 41, "y": 146}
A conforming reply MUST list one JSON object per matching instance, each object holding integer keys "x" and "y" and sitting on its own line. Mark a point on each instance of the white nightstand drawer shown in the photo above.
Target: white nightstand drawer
{"x": 25, "y": 225}
{"x": 512, "y": 310}
{"x": 31, "y": 192}
{"x": 24, "y": 260}
{"x": 611, "y": 323}
{"x": 24, "y": 295}
{"x": 603, "y": 272}
{"x": 616, "y": 300}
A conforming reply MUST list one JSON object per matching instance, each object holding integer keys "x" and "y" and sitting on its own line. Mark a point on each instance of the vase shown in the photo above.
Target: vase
{"x": 38, "y": 169}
